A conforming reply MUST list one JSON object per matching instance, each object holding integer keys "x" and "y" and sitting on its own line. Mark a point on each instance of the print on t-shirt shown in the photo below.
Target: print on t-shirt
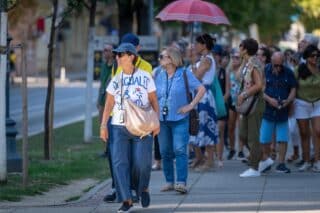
{"x": 134, "y": 87}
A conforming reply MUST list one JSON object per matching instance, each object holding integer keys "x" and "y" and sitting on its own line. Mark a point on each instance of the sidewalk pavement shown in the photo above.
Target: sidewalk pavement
{"x": 219, "y": 191}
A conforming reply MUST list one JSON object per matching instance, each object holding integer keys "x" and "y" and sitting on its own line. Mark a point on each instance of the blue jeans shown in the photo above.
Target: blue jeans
{"x": 109, "y": 150}
{"x": 173, "y": 141}
{"x": 132, "y": 159}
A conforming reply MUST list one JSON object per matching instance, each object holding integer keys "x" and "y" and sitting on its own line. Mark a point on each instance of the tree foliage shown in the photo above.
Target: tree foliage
{"x": 272, "y": 16}
{"x": 20, "y": 10}
{"x": 72, "y": 5}
{"x": 310, "y": 13}
{"x": 311, "y": 8}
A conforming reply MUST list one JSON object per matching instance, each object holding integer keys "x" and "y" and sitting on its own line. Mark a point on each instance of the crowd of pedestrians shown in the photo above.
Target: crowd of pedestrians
{"x": 285, "y": 111}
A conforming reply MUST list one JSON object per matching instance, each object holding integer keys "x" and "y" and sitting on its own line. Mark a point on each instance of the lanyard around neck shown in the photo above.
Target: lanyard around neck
{"x": 129, "y": 83}
{"x": 168, "y": 87}
{"x": 243, "y": 74}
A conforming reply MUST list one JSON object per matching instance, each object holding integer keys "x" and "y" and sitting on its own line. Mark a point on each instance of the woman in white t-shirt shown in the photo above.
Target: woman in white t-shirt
{"x": 132, "y": 155}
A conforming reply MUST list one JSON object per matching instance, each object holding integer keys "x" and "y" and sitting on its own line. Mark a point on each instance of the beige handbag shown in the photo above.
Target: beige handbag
{"x": 249, "y": 104}
{"x": 140, "y": 121}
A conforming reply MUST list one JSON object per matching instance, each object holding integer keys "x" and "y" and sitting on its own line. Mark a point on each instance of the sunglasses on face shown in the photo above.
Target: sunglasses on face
{"x": 277, "y": 65}
{"x": 314, "y": 55}
{"x": 162, "y": 56}
{"x": 122, "y": 54}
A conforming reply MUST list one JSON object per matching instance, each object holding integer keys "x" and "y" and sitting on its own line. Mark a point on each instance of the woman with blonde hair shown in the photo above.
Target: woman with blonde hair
{"x": 174, "y": 119}
{"x": 233, "y": 114}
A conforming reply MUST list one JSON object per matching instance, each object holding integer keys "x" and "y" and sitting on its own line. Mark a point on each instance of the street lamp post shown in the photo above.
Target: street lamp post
{"x": 3, "y": 60}
{"x": 9, "y": 159}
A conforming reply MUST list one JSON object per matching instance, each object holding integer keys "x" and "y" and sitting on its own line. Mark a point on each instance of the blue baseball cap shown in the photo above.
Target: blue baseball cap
{"x": 125, "y": 47}
{"x": 130, "y": 38}
{"x": 217, "y": 49}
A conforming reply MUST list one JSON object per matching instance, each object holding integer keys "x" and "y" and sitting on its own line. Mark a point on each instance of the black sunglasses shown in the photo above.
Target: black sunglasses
{"x": 277, "y": 65}
{"x": 161, "y": 56}
{"x": 122, "y": 54}
{"x": 314, "y": 55}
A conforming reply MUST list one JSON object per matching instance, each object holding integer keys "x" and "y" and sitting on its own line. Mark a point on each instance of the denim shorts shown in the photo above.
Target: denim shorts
{"x": 268, "y": 128}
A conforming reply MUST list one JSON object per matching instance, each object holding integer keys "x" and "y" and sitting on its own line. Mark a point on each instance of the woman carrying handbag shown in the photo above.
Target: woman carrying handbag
{"x": 132, "y": 154}
{"x": 251, "y": 72}
{"x": 174, "y": 117}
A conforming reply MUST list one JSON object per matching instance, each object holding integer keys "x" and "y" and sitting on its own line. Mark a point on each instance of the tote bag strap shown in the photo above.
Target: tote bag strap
{"x": 186, "y": 83}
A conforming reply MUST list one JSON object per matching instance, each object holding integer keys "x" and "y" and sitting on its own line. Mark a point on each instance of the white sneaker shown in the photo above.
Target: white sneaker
{"x": 305, "y": 166}
{"x": 265, "y": 164}
{"x": 250, "y": 173}
{"x": 156, "y": 167}
{"x": 220, "y": 163}
{"x": 316, "y": 167}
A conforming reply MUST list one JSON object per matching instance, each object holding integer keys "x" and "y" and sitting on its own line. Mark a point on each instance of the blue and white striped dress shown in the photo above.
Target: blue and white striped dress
{"x": 208, "y": 131}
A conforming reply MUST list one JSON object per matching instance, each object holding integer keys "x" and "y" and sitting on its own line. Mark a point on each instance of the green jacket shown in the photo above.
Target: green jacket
{"x": 105, "y": 76}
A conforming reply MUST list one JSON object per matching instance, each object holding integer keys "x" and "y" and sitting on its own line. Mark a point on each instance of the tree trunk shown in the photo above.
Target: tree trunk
{"x": 91, "y": 34}
{"x": 125, "y": 16}
{"x": 24, "y": 93}
{"x": 142, "y": 11}
{"x": 49, "y": 105}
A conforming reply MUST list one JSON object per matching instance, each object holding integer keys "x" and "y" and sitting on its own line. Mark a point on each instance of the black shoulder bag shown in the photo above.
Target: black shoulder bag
{"x": 193, "y": 114}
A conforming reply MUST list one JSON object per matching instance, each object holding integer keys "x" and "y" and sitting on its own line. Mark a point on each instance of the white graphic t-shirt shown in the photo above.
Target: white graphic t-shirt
{"x": 135, "y": 86}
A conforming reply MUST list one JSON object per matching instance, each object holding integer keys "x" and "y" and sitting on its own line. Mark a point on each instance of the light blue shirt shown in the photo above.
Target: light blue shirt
{"x": 177, "y": 95}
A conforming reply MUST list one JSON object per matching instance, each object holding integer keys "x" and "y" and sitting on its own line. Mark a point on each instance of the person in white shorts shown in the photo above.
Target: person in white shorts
{"x": 307, "y": 106}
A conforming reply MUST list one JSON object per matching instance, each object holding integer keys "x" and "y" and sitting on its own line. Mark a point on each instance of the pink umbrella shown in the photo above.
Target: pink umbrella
{"x": 193, "y": 11}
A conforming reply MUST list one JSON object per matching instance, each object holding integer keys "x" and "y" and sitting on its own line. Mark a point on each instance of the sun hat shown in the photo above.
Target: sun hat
{"x": 125, "y": 47}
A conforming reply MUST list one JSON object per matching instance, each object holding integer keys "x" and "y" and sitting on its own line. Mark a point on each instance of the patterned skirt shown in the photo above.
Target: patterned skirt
{"x": 208, "y": 131}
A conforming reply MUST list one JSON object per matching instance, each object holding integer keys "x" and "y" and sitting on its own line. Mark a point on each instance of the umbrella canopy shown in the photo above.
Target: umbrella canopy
{"x": 193, "y": 11}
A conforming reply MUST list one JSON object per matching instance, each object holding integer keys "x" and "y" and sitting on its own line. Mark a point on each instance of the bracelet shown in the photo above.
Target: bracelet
{"x": 192, "y": 104}
{"x": 103, "y": 126}
{"x": 244, "y": 94}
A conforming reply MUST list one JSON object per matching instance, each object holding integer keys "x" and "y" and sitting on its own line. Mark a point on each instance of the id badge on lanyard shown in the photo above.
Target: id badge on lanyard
{"x": 121, "y": 116}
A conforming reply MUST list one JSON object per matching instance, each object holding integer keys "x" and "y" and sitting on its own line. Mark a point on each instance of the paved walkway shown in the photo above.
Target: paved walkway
{"x": 219, "y": 191}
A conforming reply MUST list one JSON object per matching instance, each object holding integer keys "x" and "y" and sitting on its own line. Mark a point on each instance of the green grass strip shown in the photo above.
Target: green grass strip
{"x": 72, "y": 160}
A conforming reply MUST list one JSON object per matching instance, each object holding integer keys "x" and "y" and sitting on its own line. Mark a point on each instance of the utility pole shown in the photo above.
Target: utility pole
{"x": 3, "y": 73}
{"x": 88, "y": 97}
{"x": 90, "y": 52}
{"x": 25, "y": 143}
